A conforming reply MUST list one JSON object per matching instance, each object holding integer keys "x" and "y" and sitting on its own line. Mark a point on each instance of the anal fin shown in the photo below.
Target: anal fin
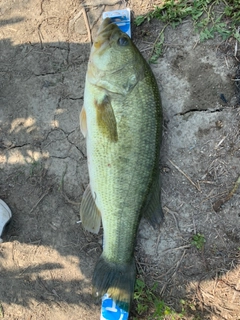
{"x": 89, "y": 213}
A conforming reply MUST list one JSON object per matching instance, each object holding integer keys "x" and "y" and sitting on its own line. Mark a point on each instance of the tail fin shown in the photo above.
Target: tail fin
{"x": 115, "y": 279}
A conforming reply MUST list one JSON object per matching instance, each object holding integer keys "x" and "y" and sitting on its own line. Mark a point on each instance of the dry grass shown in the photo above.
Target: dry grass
{"x": 221, "y": 299}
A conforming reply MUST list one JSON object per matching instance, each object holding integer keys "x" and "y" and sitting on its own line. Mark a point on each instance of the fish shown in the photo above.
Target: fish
{"x": 121, "y": 120}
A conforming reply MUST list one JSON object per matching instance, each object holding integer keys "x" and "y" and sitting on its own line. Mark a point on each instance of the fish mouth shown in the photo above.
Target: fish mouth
{"x": 104, "y": 24}
{"x": 105, "y": 33}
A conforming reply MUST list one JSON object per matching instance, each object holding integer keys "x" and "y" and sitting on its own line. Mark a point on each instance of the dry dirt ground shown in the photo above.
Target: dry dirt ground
{"x": 46, "y": 259}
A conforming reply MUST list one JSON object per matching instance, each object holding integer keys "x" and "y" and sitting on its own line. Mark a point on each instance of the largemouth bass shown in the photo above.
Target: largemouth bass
{"x": 122, "y": 122}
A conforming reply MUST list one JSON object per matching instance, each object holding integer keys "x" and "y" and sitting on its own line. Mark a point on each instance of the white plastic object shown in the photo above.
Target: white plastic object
{"x": 122, "y": 18}
{"x": 5, "y": 216}
{"x": 111, "y": 311}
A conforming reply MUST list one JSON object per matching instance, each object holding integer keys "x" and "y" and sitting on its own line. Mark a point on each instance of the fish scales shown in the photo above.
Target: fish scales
{"x": 122, "y": 120}
{"x": 120, "y": 170}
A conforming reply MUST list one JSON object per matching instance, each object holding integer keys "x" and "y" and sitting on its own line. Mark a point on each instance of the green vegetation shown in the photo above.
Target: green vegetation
{"x": 158, "y": 47}
{"x": 210, "y": 17}
{"x": 198, "y": 241}
{"x": 149, "y": 306}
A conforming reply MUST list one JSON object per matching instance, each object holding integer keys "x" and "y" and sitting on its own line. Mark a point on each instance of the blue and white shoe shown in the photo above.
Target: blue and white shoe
{"x": 111, "y": 311}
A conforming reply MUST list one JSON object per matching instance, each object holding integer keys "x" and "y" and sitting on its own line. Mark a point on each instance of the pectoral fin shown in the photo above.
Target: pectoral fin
{"x": 83, "y": 122}
{"x": 106, "y": 119}
{"x": 153, "y": 209}
{"x": 89, "y": 213}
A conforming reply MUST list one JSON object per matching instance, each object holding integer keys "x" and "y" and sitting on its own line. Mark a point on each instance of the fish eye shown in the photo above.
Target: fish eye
{"x": 123, "y": 41}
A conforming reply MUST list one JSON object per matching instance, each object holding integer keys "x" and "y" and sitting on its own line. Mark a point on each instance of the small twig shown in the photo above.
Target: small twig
{"x": 42, "y": 196}
{"x": 158, "y": 240}
{"x": 55, "y": 293}
{"x": 217, "y": 205}
{"x": 214, "y": 196}
{"x": 215, "y": 283}
{"x": 234, "y": 189}
{"x": 194, "y": 224}
{"x": 220, "y": 142}
{"x": 226, "y": 62}
{"x": 173, "y": 45}
{"x": 40, "y": 35}
{"x": 164, "y": 274}
{"x": 178, "y": 263}
{"x": 163, "y": 289}
{"x": 197, "y": 42}
{"x": 139, "y": 267}
{"x": 70, "y": 201}
{"x": 146, "y": 49}
{"x": 99, "y": 16}
{"x": 174, "y": 217}
{"x": 186, "y": 176}
{"x": 176, "y": 268}
{"x": 87, "y": 25}
{"x": 41, "y": 7}
{"x": 83, "y": 12}
{"x": 187, "y": 246}
{"x": 199, "y": 187}
{"x": 236, "y": 47}
{"x": 207, "y": 182}
{"x": 24, "y": 270}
